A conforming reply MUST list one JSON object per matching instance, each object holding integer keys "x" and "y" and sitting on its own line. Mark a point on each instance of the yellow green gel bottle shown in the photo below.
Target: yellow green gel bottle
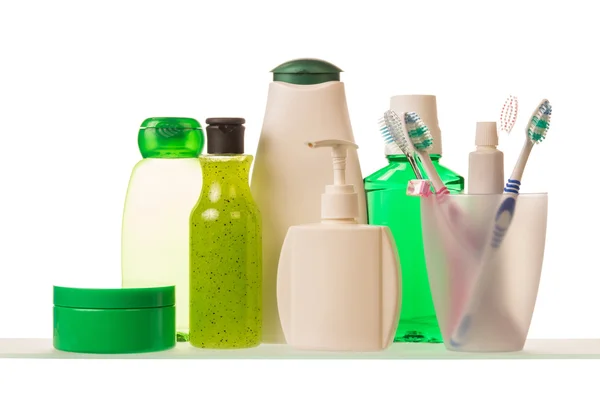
{"x": 225, "y": 245}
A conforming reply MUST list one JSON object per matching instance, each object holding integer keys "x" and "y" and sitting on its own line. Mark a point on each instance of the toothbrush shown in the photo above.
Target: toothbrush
{"x": 393, "y": 130}
{"x": 422, "y": 140}
{"x": 536, "y": 132}
{"x": 458, "y": 236}
{"x": 508, "y": 115}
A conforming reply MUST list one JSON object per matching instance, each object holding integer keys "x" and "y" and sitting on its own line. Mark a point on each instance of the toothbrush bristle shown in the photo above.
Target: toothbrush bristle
{"x": 389, "y": 140}
{"x": 540, "y": 122}
{"x": 419, "y": 133}
{"x": 508, "y": 116}
{"x": 396, "y": 127}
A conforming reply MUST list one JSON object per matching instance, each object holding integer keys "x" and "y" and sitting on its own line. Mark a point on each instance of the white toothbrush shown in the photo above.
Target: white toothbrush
{"x": 422, "y": 140}
{"x": 396, "y": 138}
{"x": 536, "y": 132}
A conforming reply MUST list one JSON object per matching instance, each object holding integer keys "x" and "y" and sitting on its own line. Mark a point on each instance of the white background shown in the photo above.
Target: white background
{"x": 77, "y": 79}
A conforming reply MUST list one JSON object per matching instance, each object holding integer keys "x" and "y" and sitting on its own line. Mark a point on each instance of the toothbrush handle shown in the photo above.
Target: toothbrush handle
{"x": 503, "y": 219}
{"x": 455, "y": 215}
{"x": 431, "y": 172}
{"x": 517, "y": 173}
{"x": 415, "y": 167}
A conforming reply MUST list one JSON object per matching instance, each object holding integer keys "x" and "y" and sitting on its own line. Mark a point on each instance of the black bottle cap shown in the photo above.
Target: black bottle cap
{"x": 225, "y": 135}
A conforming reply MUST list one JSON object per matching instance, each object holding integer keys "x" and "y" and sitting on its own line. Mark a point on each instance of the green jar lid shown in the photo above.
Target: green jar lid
{"x": 114, "y": 298}
{"x": 170, "y": 137}
{"x": 114, "y": 321}
{"x": 306, "y": 72}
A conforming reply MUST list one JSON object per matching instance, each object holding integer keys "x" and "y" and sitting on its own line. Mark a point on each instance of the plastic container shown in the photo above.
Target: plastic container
{"x": 114, "y": 320}
{"x": 306, "y": 99}
{"x": 338, "y": 281}
{"x": 389, "y": 205}
{"x": 497, "y": 297}
{"x": 163, "y": 188}
{"x": 225, "y": 246}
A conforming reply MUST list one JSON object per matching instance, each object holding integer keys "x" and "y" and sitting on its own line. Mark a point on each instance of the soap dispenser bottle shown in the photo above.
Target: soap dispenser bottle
{"x": 305, "y": 97}
{"x": 338, "y": 281}
{"x": 163, "y": 188}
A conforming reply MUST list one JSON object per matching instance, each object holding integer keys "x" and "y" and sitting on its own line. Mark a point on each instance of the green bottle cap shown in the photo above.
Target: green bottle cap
{"x": 170, "y": 137}
{"x": 306, "y": 72}
{"x": 114, "y": 320}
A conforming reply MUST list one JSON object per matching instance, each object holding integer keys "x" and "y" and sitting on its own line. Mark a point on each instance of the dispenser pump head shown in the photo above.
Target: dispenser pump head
{"x": 340, "y": 200}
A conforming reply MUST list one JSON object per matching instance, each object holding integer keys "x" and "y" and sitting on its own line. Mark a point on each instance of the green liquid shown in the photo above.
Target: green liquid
{"x": 225, "y": 258}
{"x": 388, "y": 205}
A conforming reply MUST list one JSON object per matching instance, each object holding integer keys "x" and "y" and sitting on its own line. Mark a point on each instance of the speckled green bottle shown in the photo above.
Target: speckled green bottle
{"x": 225, "y": 246}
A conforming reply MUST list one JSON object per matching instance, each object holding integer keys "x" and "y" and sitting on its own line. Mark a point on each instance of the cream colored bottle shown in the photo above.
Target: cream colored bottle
{"x": 163, "y": 189}
{"x": 486, "y": 163}
{"x": 338, "y": 285}
{"x": 306, "y": 97}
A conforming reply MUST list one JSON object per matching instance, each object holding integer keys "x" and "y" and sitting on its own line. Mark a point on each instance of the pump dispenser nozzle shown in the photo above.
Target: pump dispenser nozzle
{"x": 340, "y": 201}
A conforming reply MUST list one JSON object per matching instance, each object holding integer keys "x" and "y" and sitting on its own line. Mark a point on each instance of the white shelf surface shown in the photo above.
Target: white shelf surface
{"x": 534, "y": 349}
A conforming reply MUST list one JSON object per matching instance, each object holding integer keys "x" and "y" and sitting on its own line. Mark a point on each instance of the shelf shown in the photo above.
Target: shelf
{"x": 534, "y": 349}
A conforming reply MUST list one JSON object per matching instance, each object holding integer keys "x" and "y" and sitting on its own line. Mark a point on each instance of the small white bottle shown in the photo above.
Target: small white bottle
{"x": 338, "y": 285}
{"x": 486, "y": 163}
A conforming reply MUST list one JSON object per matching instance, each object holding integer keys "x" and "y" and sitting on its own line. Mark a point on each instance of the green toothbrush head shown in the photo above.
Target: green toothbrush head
{"x": 418, "y": 132}
{"x": 539, "y": 124}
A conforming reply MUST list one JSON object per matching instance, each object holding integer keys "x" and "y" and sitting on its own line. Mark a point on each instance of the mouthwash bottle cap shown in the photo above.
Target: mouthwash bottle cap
{"x": 307, "y": 71}
{"x": 486, "y": 134}
{"x": 225, "y": 135}
{"x": 340, "y": 200}
{"x": 426, "y": 107}
{"x": 170, "y": 137}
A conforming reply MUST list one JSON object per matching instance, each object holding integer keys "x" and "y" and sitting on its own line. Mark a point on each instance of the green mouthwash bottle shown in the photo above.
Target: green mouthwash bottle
{"x": 225, "y": 245}
{"x": 388, "y": 205}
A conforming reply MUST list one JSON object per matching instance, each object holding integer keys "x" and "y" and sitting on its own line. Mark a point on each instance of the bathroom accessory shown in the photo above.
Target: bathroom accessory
{"x": 508, "y": 114}
{"x": 535, "y": 133}
{"x": 225, "y": 245}
{"x": 389, "y": 205}
{"x": 338, "y": 281}
{"x": 501, "y": 319}
{"x": 397, "y": 141}
{"x": 114, "y": 320}
{"x": 163, "y": 188}
{"x": 422, "y": 141}
{"x": 306, "y": 97}
{"x": 396, "y": 138}
{"x": 486, "y": 163}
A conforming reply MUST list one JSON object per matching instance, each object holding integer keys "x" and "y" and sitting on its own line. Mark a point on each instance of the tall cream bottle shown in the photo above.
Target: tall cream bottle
{"x": 338, "y": 284}
{"x": 305, "y": 98}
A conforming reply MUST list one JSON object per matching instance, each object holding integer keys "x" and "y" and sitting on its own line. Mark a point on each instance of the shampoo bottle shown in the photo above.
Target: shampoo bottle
{"x": 305, "y": 97}
{"x": 163, "y": 188}
{"x": 486, "y": 163}
{"x": 338, "y": 281}
{"x": 389, "y": 205}
{"x": 225, "y": 246}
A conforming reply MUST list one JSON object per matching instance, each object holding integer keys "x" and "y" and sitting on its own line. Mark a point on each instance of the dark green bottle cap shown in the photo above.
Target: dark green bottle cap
{"x": 306, "y": 72}
{"x": 170, "y": 137}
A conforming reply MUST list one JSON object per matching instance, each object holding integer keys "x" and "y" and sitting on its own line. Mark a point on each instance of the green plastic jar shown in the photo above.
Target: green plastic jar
{"x": 113, "y": 321}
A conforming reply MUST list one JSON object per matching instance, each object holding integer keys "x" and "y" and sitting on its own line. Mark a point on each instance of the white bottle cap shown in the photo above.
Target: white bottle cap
{"x": 486, "y": 134}
{"x": 340, "y": 200}
{"x": 426, "y": 107}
